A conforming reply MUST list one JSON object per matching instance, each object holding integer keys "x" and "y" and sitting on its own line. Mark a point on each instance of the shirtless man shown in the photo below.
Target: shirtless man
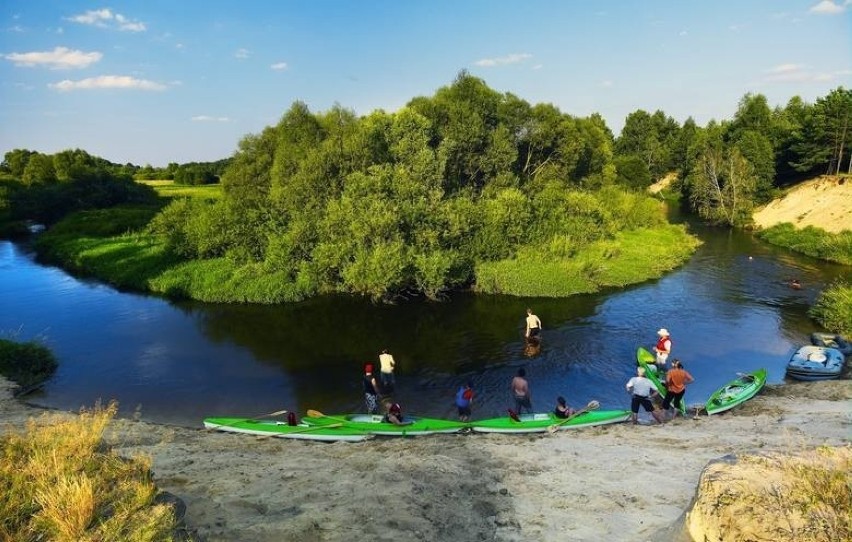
{"x": 521, "y": 392}
{"x": 533, "y": 325}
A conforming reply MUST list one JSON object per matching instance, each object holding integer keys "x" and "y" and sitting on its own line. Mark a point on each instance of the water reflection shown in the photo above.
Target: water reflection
{"x": 730, "y": 309}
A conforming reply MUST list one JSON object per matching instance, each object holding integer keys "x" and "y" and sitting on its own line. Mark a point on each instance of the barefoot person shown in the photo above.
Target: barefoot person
{"x": 521, "y": 392}
{"x": 676, "y": 380}
{"x": 533, "y": 330}
{"x": 386, "y": 367}
{"x": 641, "y": 390}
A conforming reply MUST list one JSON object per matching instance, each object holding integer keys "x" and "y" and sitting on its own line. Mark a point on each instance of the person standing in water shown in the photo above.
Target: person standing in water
{"x": 533, "y": 330}
{"x": 521, "y": 392}
{"x": 387, "y": 365}
{"x": 464, "y": 398}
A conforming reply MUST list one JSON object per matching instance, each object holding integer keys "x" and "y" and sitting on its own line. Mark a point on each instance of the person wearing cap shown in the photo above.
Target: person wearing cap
{"x": 371, "y": 390}
{"x": 393, "y": 414}
{"x": 663, "y": 348}
{"x": 676, "y": 380}
{"x": 641, "y": 390}
{"x": 386, "y": 367}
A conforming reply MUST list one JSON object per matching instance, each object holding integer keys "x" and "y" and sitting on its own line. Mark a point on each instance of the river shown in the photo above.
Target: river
{"x": 728, "y": 309}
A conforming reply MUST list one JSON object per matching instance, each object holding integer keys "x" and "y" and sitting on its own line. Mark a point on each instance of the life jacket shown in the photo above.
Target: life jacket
{"x": 462, "y": 398}
{"x": 661, "y": 344}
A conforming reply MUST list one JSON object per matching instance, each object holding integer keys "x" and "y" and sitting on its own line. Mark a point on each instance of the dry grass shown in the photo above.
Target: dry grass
{"x": 60, "y": 483}
{"x": 804, "y": 496}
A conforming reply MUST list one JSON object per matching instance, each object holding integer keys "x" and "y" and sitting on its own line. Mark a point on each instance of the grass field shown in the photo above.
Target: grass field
{"x": 168, "y": 189}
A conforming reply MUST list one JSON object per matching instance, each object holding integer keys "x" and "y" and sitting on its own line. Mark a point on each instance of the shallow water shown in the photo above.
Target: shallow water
{"x": 728, "y": 309}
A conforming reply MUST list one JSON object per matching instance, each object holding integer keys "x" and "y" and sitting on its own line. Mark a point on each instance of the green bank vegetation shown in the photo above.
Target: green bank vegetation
{"x": 466, "y": 189}
{"x": 27, "y": 363}
{"x": 815, "y": 242}
{"x": 833, "y": 308}
{"x": 59, "y": 482}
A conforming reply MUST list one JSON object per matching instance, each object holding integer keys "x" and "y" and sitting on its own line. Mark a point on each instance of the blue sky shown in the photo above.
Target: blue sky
{"x": 159, "y": 81}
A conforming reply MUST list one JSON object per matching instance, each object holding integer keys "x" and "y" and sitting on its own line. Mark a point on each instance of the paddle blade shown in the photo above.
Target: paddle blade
{"x": 315, "y": 414}
{"x": 276, "y": 413}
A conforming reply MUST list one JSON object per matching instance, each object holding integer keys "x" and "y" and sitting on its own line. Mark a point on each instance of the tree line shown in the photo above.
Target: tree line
{"x": 414, "y": 201}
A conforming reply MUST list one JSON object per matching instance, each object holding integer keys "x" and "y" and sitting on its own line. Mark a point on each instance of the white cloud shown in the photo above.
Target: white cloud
{"x": 242, "y": 53}
{"x": 279, "y": 66}
{"x": 795, "y": 73}
{"x": 61, "y": 58}
{"x": 683, "y": 33}
{"x": 105, "y": 18}
{"x": 538, "y": 66}
{"x": 208, "y": 118}
{"x": 107, "y": 81}
{"x": 827, "y": 7}
{"x": 501, "y": 61}
{"x": 606, "y": 84}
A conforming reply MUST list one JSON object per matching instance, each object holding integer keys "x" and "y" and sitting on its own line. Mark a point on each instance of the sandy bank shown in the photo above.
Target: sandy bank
{"x": 824, "y": 202}
{"x": 616, "y": 483}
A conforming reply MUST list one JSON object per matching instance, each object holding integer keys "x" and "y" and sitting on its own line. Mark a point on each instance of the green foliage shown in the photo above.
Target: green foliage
{"x": 833, "y": 308}
{"x": 633, "y": 172}
{"x": 630, "y": 257}
{"x": 26, "y": 363}
{"x": 816, "y": 242}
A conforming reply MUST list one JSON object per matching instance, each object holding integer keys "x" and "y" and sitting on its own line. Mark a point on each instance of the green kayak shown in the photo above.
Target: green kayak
{"x": 736, "y": 392}
{"x": 647, "y": 361}
{"x": 274, "y": 428}
{"x": 539, "y": 422}
{"x": 375, "y": 424}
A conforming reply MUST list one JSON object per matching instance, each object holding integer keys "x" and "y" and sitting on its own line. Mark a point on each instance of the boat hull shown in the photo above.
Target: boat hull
{"x": 540, "y": 422}
{"x": 815, "y": 363}
{"x": 272, "y": 428}
{"x": 374, "y": 424}
{"x": 736, "y": 392}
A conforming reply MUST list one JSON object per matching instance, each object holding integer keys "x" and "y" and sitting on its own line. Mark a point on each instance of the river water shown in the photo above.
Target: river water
{"x": 728, "y": 309}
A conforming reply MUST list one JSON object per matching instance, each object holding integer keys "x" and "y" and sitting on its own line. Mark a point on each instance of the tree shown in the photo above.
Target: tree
{"x": 723, "y": 184}
{"x": 39, "y": 169}
{"x": 824, "y": 138}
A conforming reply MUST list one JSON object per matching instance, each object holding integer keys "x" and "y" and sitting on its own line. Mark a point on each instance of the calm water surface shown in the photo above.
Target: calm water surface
{"x": 728, "y": 311}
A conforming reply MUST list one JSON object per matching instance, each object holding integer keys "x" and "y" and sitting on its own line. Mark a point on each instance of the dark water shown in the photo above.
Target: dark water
{"x": 728, "y": 311}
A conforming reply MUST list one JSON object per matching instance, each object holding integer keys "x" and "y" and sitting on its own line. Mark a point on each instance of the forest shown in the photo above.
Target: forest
{"x": 467, "y": 188}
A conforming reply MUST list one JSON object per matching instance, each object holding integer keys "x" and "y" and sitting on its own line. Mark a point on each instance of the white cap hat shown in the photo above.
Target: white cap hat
{"x": 663, "y": 332}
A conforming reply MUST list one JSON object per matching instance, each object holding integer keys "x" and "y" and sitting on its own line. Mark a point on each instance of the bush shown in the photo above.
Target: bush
{"x": 833, "y": 309}
{"x": 816, "y": 242}
{"x": 26, "y": 363}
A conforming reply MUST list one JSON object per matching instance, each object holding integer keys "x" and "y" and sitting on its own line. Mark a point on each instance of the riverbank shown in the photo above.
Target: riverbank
{"x": 620, "y": 482}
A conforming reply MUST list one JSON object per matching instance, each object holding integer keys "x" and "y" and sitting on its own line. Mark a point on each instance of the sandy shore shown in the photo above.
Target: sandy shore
{"x": 824, "y": 202}
{"x": 615, "y": 483}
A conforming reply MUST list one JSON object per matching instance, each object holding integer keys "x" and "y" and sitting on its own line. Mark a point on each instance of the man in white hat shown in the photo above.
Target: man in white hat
{"x": 663, "y": 348}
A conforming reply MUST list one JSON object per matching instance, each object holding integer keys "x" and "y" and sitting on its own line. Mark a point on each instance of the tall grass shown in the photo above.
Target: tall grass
{"x": 833, "y": 308}
{"x": 630, "y": 257}
{"x": 816, "y": 242}
{"x": 59, "y": 484}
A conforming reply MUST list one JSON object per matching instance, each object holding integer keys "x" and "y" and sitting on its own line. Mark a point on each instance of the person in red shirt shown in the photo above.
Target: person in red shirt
{"x": 676, "y": 380}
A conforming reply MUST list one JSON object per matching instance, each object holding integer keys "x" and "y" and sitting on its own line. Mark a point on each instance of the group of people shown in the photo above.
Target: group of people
{"x": 641, "y": 388}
